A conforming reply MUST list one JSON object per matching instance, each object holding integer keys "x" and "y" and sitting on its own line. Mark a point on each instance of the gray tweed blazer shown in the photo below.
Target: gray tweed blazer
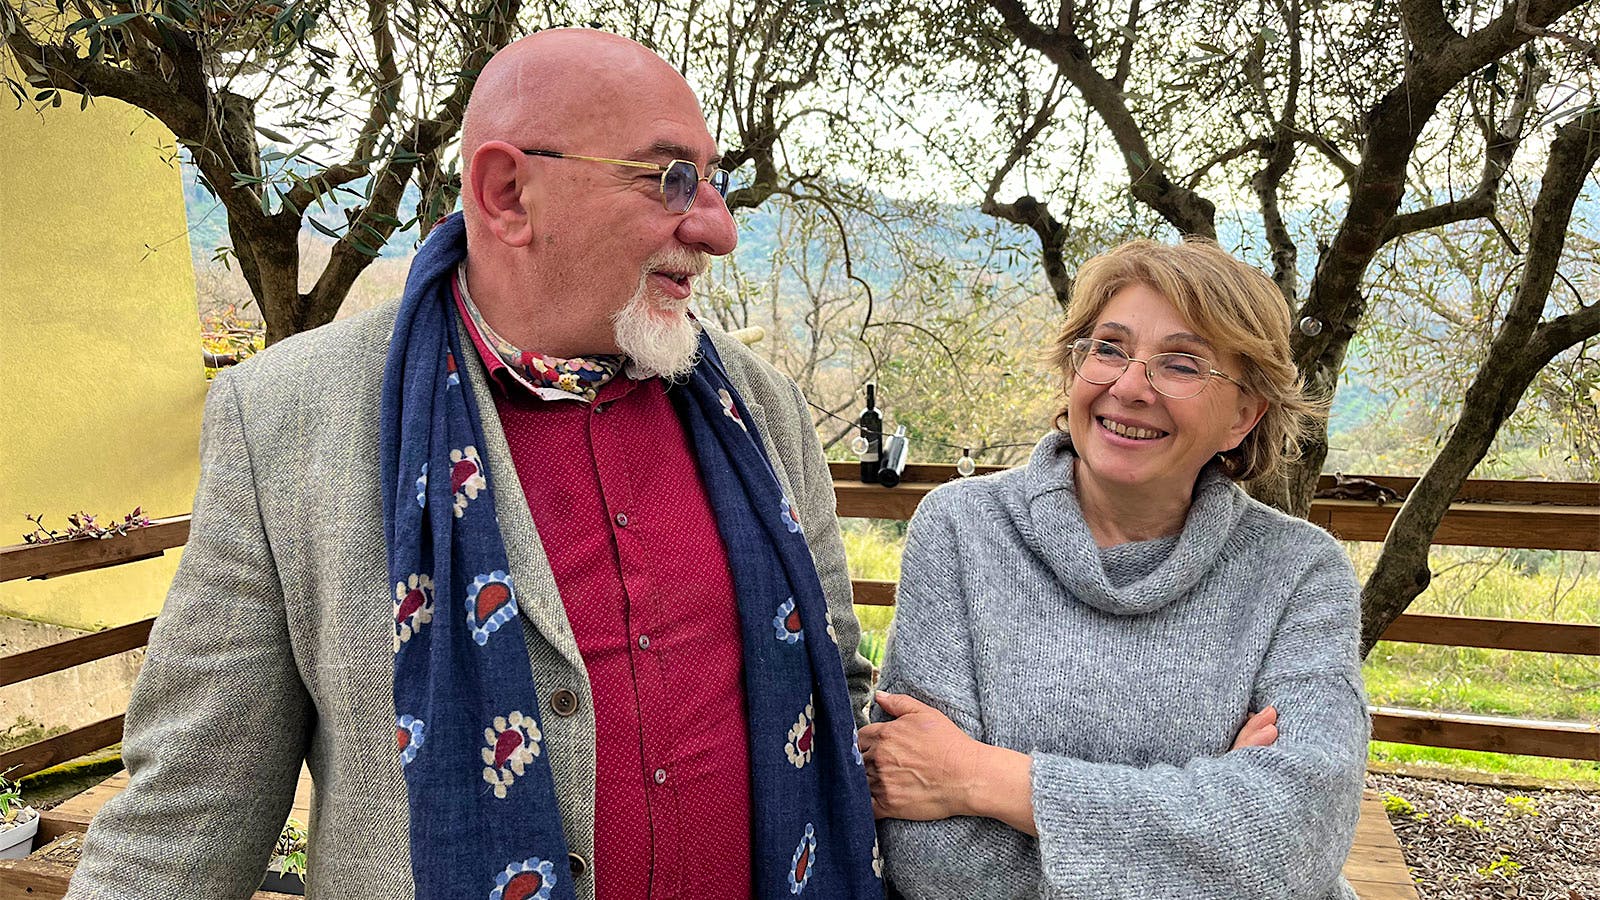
{"x": 275, "y": 644}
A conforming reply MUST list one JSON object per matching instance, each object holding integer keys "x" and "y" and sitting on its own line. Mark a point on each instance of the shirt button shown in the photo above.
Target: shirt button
{"x": 661, "y": 776}
{"x": 564, "y": 702}
{"x": 599, "y": 407}
{"x": 644, "y": 642}
{"x": 577, "y": 864}
{"x": 622, "y": 520}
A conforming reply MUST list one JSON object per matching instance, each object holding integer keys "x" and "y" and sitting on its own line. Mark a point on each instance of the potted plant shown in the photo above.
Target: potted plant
{"x": 286, "y": 874}
{"x": 18, "y": 822}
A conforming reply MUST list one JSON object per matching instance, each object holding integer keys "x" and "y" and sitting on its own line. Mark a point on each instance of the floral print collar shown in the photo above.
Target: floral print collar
{"x": 549, "y": 377}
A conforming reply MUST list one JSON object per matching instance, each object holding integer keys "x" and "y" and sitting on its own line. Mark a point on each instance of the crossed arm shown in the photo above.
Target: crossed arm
{"x": 973, "y": 778}
{"x": 1274, "y": 817}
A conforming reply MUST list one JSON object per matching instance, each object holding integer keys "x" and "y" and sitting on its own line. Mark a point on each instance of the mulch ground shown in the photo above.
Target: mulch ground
{"x": 1471, "y": 842}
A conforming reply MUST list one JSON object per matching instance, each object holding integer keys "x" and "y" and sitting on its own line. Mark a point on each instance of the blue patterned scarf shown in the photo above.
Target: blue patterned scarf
{"x": 485, "y": 822}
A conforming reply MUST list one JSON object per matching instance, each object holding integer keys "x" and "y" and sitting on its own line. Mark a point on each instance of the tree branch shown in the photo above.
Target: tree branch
{"x": 1227, "y": 156}
{"x": 60, "y": 67}
{"x": 1278, "y": 154}
{"x": 1328, "y": 149}
{"x": 1027, "y": 211}
{"x": 1564, "y": 332}
{"x": 1149, "y": 182}
{"x": 1500, "y": 146}
{"x": 1577, "y": 43}
{"x": 1125, "y": 55}
{"x": 1395, "y": 124}
{"x": 1426, "y": 25}
{"x": 373, "y": 225}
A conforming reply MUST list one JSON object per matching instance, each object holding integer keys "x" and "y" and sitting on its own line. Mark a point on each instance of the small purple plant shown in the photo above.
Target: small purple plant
{"x": 82, "y": 525}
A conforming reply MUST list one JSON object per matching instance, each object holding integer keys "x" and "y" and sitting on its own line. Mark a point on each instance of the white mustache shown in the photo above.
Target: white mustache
{"x": 682, "y": 261}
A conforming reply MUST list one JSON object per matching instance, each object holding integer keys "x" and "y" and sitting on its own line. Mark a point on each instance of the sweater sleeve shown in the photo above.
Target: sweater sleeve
{"x": 929, "y": 656}
{"x": 1262, "y": 822}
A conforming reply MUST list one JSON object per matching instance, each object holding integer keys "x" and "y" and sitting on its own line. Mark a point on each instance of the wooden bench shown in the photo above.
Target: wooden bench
{"x": 1376, "y": 868}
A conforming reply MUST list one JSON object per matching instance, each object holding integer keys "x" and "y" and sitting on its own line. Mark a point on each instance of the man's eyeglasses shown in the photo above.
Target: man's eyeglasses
{"x": 1176, "y": 375}
{"x": 680, "y": 179}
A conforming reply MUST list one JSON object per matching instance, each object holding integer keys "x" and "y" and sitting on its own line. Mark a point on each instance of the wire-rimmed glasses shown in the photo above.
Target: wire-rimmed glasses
{"x": 1176, "y": 375}
{"x": 680, "y": 179}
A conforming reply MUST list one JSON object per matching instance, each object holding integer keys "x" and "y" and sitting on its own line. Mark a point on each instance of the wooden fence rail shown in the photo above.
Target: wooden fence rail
{"x": 1534, "y": 515}
{"x": 67, "y": 557}
{"x": 1522, "y": 515}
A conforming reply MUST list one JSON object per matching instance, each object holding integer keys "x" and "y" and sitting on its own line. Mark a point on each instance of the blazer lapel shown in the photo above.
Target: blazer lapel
{"x": 537, "y": 596}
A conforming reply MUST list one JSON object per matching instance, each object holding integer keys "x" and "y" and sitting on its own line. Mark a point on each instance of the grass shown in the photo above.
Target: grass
{"x": 1489, "y": 583}
{"x": 1493, "y": 764}
{"x": 873, "y": 548}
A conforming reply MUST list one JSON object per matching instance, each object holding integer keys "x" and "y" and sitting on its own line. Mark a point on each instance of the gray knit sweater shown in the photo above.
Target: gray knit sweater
{"x": 1126, "y": 674}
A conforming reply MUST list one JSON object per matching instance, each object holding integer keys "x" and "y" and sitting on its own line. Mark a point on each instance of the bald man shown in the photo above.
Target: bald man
{"x": 539, "y": 576}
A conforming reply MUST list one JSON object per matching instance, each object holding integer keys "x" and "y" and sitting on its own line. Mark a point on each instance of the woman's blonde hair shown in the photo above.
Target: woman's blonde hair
{"x": 1230, "y": 304}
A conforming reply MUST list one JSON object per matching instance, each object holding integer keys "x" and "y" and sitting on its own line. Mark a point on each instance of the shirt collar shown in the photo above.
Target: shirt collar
{"x": 547, "y": 377}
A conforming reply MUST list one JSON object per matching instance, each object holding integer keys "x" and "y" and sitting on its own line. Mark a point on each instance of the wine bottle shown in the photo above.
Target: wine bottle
{"x": 871, "y": 423}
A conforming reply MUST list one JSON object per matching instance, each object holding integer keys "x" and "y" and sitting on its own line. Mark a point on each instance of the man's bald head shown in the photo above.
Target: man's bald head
{"x": 558, "y": 87}
{"x": 557, "y": 249}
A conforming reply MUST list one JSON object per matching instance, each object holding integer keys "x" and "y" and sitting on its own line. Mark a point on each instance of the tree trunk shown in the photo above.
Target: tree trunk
{"x": 1513, "y": 361}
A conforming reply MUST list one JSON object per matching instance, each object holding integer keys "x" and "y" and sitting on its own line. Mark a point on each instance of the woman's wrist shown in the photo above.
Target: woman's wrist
{"x": 1001, "y": 787}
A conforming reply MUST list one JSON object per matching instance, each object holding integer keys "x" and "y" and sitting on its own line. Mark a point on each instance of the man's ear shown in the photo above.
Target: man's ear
{"x": 496, "y": 179}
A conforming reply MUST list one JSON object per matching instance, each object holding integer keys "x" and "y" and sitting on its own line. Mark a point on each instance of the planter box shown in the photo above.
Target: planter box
{"x": 283, "y": 883}
{"x": 16, "y": 841}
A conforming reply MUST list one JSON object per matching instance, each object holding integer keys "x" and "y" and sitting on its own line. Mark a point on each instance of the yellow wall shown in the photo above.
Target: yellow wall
{"x": 101, "y": 382}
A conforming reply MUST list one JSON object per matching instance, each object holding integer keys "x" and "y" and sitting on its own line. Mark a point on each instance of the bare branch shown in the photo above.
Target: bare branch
{"x": 1564, "y": 332}
{"x": 1589, "y": 48}
{"x": 1026, "y": 210}
{"x": 1024, "y": 140}
{"x": 1500, "y": 146}
{"x": 931, "y": 335}
{"x": 1125, "y": 55}
{"x": 1186, "y": 210}
{"x": 1328, "y": 149}
{"x": 1221, "y": 159}
{"x": 826, "y": 205}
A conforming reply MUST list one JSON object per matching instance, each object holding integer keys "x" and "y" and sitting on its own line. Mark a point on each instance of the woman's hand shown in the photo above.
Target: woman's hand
{"x": 920, "y": 765}
{"x": 1260, "y": 730}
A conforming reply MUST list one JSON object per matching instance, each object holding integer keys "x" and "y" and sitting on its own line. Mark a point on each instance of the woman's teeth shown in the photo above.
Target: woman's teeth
{"x": 1130, "y": 431}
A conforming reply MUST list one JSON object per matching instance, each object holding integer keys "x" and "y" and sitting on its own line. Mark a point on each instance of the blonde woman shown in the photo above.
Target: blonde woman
{"x": 1112, "y": 673}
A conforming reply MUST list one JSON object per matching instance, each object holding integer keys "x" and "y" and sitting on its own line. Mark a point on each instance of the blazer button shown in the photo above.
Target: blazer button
{"x": 578, "y": 864}
{"x": 564, "y": 702}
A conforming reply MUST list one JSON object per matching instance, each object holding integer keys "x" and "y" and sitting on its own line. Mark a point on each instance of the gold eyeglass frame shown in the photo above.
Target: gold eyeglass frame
{"x": 1084, "y": 344}
{"x": 710, "y": 179}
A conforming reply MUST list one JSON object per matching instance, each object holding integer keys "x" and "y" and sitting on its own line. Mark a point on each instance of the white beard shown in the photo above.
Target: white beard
{"x": 656, "y": 341}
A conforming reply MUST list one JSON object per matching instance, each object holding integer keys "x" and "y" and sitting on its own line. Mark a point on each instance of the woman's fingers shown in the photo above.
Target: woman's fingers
{"x": 1260, "y": 730}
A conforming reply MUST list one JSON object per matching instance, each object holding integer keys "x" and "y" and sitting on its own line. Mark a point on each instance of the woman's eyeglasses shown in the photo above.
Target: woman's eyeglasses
{"x": 680, "y": 179}
{"x": 1176, "y": 375}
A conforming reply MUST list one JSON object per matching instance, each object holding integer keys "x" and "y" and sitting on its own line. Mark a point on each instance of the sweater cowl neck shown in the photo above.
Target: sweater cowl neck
{"x": 1052, "y": 525}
